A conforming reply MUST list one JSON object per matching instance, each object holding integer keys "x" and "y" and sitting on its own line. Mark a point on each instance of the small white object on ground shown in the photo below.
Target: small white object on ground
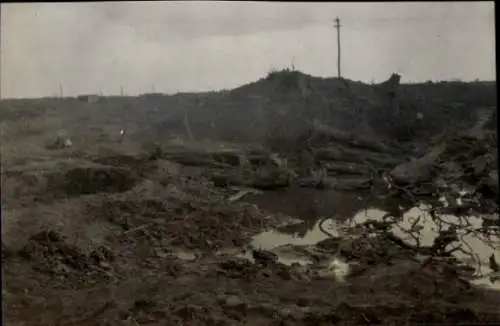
{"x": 340, "y": 269}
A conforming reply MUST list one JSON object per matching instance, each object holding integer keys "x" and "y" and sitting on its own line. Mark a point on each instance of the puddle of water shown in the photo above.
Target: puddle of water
{"x": 306, "y": 203}
{"x": 271, "y": 239}
{"x": 283, "y": 244}
{"x": 484, "y": 282}
{"x": 287, "y": 255}
{"x": 481, "y": 247}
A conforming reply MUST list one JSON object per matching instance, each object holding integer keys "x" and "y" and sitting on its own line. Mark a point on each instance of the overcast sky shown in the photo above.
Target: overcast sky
{"x": 196, "y": 46}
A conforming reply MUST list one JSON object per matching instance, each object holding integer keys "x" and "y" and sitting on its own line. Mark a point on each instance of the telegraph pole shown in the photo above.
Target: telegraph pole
{"x": 61, "y": 94}
{"x": 337, "y": 26}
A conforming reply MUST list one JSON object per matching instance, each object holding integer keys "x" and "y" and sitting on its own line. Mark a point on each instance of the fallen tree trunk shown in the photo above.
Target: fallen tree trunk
{"x": 418, "y": 170}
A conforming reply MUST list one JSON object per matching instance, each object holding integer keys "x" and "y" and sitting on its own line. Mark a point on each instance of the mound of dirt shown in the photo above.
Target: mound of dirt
{"x": 181, "y": 212}
{"x": 187, "y": 223}
{"x": 281, "y": 104}
{"x": 48, "y": 252}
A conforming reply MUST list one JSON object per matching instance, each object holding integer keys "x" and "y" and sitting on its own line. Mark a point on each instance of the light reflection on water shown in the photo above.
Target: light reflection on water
{"x": 475, "y": 242}
{"x": 481, "y": 246}
{"x": 274, "y": 238}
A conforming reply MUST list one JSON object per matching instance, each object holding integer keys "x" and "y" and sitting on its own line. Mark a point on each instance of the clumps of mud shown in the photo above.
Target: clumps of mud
{"x": 49, "y": 252}
{"x": 397, "y": 314}
{"x": 217, "y": 227}
{"x": 227, "y": 290}
{"x": 129, "y": 213}
{"x": 395, "y": 293}
{"x": 188, "y": 223}
{"x": 239, "y": 268}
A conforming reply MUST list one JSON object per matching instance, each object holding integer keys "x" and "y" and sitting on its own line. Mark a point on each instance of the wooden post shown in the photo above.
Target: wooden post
{"x": 337, "y": 26}
{"x": 61, "y": 93}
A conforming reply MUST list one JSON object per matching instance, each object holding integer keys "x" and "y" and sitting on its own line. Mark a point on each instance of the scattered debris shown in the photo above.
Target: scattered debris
{"x": 61, "y": 141}
{"x": 157, "y": 236}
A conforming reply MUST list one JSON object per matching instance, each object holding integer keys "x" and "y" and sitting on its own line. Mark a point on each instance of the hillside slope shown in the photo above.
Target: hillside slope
{"x": 280, "y": 105}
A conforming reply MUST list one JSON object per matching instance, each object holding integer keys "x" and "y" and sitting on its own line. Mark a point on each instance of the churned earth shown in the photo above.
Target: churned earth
{"x": 337, "y": 229}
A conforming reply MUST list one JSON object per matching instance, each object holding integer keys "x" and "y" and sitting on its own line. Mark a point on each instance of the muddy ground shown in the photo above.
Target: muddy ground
{"x": 209, "y": 232}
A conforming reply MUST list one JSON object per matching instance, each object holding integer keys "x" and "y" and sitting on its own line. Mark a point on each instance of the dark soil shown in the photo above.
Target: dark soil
{"x": 146, "y": 284}
{"x": 104, "y": 243}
